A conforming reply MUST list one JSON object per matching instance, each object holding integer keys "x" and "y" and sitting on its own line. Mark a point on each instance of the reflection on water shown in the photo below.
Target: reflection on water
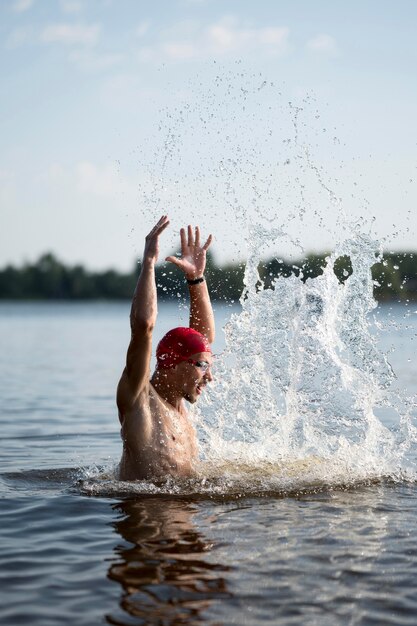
{"x": 319, "y": 559}
{"x": 164, "y": 573}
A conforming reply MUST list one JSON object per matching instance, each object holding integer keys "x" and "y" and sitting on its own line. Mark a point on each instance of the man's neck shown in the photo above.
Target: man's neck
{"x": 167, "y": 392}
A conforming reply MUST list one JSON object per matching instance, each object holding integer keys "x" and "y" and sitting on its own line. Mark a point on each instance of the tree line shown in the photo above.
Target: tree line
{"x": 395, "y": 278}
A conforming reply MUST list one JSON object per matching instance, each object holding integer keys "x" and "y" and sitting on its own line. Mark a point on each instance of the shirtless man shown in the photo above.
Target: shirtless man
{"x": 158, "y": 437}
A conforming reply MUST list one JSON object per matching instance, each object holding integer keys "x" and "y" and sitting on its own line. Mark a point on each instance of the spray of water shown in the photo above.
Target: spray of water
{"x": 302, "y": 389}
{"x": 302, "y": 378}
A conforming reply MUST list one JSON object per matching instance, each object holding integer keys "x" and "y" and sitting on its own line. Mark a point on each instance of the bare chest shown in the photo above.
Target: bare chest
{"x": 175, "y": 435}
{"x": 158, "y": 440}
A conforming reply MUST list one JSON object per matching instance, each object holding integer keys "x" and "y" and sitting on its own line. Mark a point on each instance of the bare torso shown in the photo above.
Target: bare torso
{"x": 158, "y": 440}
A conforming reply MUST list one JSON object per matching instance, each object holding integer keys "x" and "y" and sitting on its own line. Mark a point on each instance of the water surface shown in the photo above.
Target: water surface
{"x": 328, "y": 554}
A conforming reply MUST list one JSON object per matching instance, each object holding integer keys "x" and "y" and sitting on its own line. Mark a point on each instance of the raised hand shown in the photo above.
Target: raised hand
{"x": 152, "y": 240}
{"x": 193, "y": 256}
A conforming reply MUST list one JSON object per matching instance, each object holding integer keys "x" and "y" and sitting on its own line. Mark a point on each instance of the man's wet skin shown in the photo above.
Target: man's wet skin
{"x": 192, "y": 377}
{"x": 158, "y": 436}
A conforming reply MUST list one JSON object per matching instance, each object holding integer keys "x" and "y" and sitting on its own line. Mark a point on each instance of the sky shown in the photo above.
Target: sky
{"x": 291, "y": 124}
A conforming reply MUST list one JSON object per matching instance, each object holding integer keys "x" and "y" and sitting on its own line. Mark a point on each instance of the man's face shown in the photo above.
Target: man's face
{"x": 194, "y": 374}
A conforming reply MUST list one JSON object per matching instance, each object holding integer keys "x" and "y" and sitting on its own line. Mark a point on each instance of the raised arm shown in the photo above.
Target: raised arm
{"x": 193, "y": 262}
{"x": 142, "y": 321}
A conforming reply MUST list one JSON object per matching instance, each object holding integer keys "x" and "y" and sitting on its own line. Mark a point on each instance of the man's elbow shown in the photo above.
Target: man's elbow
{"x": 141, "y": 326}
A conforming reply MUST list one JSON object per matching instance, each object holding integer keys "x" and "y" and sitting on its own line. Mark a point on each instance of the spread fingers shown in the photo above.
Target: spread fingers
{"x": 197, "y": 237}
{"x": 190, "y": 236}
{"x": 208, "y": 242}
{"x": 159, "y": 226}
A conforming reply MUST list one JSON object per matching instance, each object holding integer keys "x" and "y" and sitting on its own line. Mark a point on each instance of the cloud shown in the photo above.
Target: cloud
{"x": 70, "y": 34}
{"x": 323, "y": 44}
{"x": 143, "y": 28}
{"x": 122, "y": 91}
{"x": 190, "y": 41}
{"x": 98, "y": 181}
{"x": 20, "y": 6}
{"x": 86, "y": 178}
{"x": 90, "y": 61}
{"x": 71, "y": 6}
{"x": 228, "y": 36}
{"x": 17, "y": 37}
{"x": 178, "y": 51}
{"x": 56, "y": 170}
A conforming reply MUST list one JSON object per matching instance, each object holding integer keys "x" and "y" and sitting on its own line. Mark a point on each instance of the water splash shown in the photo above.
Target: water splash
{"x": 302, "y": 377}
{"x": 303, "y": 397}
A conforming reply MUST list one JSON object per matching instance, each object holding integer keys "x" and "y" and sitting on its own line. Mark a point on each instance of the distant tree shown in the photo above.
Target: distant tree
{"x": 11, "y": 283}
{"x": 395, "y": 278}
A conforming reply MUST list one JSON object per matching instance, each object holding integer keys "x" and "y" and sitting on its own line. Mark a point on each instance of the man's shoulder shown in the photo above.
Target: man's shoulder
{"x": 155, "y": 398}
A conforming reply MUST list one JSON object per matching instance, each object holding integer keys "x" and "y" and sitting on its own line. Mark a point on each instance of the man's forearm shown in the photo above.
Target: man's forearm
{"x": 144, "y": 305}
{"x": 201, "y": 311}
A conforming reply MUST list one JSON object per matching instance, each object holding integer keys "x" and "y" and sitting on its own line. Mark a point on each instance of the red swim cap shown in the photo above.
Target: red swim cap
{"x": 178, "y": 345}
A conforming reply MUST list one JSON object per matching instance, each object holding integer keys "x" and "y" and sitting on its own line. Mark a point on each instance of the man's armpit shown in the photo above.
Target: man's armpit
{"x": 132, "y": 408}
{"x": 137, "y": 429}
{"x": 127, "y": 396}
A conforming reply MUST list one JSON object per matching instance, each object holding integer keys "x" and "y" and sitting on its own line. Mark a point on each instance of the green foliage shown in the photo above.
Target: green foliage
{"x": 49, "y": 279}
{"x": 395, "y": 278}
{"x": 343, "y": 268}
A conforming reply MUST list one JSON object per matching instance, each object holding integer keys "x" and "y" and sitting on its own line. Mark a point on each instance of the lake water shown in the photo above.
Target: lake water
{"x": 325, "y": 554}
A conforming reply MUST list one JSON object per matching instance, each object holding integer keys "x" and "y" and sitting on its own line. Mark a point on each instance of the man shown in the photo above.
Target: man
{"x": 158, "y": 437}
